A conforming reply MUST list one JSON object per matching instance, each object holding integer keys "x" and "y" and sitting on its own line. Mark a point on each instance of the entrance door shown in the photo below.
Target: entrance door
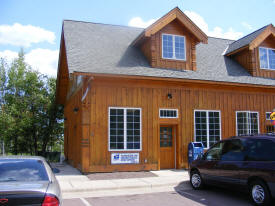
{"x": 167, "y": 147}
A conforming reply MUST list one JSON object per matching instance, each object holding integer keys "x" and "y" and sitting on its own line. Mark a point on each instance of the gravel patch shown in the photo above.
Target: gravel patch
{"x": 120, "y": 175}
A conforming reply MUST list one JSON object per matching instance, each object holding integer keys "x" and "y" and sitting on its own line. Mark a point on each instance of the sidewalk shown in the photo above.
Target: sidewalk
{"x": 73, "y": 183}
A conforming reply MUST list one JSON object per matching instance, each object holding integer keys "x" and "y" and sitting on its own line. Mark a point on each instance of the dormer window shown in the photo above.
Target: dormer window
{"x": 173, "y": 47}
{"x": 267, "y": 58}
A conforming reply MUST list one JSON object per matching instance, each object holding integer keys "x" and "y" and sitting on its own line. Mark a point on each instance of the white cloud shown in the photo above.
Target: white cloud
{"x": 24, "y": 35}
{"x": 198, "y": 20}
{"x": 43, "y": 60}
{"x": 217, "y": 32}
{"x": 138, "y": 22}
{"x": 247, "y": 26}
{"x": 8, "y": 55}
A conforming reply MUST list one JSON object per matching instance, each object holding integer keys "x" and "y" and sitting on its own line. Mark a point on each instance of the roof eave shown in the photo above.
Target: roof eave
{"x": 269, "y": 30}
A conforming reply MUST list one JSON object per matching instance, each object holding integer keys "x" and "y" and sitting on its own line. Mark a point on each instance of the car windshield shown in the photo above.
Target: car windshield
{"x": 22, "y": 170}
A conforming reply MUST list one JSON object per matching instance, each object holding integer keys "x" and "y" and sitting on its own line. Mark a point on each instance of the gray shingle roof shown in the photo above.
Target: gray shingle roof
{"x": 244, "y": 41}
{"x": 105, "y": 49}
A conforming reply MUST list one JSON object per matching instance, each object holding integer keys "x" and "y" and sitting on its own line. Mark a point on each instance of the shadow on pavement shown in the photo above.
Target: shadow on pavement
{"x": 213, "y": 196}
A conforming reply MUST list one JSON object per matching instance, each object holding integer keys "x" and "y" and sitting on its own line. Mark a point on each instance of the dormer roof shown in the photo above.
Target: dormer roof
{"x": 251, "y": 40}
{"x": 175, "y": 13}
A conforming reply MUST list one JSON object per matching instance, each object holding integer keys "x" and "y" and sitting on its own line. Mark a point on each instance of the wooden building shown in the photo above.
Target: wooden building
{"x": 134, "y": 98}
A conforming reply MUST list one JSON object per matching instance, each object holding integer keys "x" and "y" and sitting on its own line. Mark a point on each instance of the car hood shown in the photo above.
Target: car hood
{"x": 40, "y": 186}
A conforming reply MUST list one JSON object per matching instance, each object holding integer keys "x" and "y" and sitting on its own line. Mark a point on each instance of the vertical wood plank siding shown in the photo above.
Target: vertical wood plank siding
{"x": 150, "y": 95}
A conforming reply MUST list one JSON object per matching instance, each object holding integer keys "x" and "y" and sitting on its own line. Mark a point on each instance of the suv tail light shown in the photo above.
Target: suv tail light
{"x": 50, "y": 200}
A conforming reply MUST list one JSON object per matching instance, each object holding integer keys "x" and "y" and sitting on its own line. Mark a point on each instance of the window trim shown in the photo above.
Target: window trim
{"x": 177, "y": 112}
{"x": 173, "y": 41}
{"x": 267, "y": 48}
{"x": 250, "y": 124}
{"x": 207, "y": 124}
{"x": 125, "y": 130}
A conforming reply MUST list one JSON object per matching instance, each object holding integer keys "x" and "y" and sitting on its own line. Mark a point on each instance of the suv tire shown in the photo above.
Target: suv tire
{"x": 259, "y": 193}
{"x": 196, "y": 180}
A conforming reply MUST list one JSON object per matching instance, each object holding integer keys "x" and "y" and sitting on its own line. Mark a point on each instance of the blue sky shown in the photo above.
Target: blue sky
{"x": 35, "y": 25}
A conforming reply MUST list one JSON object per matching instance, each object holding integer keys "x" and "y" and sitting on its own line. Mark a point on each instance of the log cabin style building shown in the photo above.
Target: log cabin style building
{"x": 134, "y": 98}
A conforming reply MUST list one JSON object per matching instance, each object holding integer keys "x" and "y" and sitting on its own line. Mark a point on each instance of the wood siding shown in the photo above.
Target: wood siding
{"x": 150, "y": 95}
{"x": 152, "y": 48}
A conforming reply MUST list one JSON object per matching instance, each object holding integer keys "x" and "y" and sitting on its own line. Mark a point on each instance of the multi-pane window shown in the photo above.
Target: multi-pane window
{"x": 173, "y": 47}
{"x": 168, "y": 113}
{"x": 267, "y": 58}
{"x": 207, "y": 127}
{"x": 124, "y": 128}
{"x": 267, "y": 115}
{"x": 247, "y": 122}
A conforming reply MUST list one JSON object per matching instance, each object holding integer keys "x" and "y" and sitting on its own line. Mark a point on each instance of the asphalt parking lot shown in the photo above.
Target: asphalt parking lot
{"x": 210, "y": 197}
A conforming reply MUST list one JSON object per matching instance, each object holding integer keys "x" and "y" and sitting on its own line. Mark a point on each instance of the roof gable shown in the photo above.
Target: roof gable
{"x": 250, "y": 41}
{"x": 175, "y": 13}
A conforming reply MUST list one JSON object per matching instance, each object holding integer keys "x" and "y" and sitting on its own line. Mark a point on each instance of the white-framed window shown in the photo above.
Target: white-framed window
{"x": 124, "y": 129}
{"x": 168, "y": 113}
{"x": 247, "y": 122}
{"x": 267, "y": 115}
{"x": 173, "y": 47}
{"x": 207, "y": 125}
{"x": 267, "y": 58}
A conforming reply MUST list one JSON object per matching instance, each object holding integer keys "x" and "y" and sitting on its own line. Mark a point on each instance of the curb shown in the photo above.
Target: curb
{"x": 102, "y": 185}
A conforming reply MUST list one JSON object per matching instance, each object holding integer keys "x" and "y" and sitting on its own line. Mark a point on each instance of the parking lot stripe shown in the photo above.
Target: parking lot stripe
{"x": 85, "y": 202}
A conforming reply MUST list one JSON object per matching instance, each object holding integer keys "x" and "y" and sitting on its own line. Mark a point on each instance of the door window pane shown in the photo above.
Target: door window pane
{"x": 166, "y": 138}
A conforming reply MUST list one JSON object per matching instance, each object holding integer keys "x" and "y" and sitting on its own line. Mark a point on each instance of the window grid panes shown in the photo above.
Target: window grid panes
{"x": 207, "y": 127}
{"x": 247, "y": 123}
{"x": 179, "y": 47}
{"x": 267, "y": 58}
{"x": 133, "y": 129}
{"x": 167, "y": 43}
{"x": 168, "y": 113}
{"x": 267, "y": 115}
{"x": 124, "y": 129}
{"x": 173, "y": 47}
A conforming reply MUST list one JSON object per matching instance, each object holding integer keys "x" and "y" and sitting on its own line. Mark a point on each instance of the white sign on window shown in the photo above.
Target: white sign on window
{"x": 124, "y": 158}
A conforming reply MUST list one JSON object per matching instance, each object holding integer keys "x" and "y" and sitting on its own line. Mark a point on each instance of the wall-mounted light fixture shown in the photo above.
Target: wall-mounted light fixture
{"x": 169, "y": 96}
{"x": 75, "y": 109}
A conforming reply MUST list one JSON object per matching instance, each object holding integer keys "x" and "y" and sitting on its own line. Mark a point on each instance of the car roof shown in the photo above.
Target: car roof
{"x": 23, "y": 157}
{"x": 270, "y": 136}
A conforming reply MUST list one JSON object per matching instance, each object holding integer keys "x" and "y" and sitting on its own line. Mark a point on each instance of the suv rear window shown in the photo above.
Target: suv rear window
{"x": 22, "y": 170}
{"x": 260, "y": 150}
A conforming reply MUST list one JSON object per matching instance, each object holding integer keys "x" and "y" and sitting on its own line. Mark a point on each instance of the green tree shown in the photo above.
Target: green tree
{"x": 30, "y": 118}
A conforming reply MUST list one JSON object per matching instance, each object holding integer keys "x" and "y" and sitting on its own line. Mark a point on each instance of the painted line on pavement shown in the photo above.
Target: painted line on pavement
{"x": 85, "y": 202}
